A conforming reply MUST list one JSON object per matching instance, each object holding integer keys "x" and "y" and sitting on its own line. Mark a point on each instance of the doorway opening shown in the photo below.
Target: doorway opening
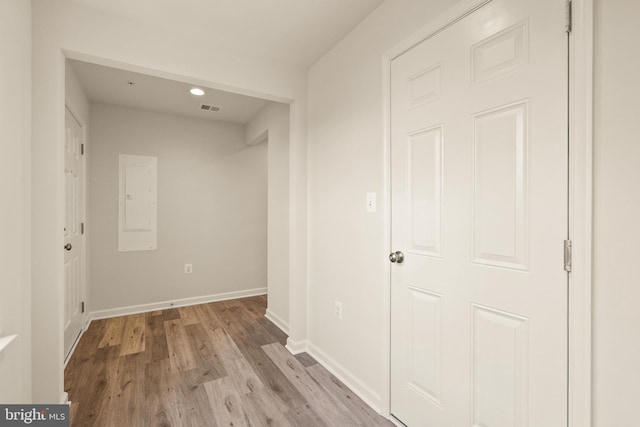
{"x": 220, "y": 203}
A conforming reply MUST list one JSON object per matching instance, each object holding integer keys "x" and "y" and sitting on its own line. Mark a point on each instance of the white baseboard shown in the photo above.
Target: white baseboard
{"x": 143, "y": 308}
{"x": 64, "y": 398}
{"x": 364, "y": 392}
{"x": 277, "y": 320}
{"x": 73, "y": 347}
{"x": 296, "y": 347}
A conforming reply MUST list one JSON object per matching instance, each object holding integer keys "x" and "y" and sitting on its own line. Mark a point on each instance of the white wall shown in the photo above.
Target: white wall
{"x": 616, "y": 214}
{"x": 347, "y": 253}
{"x": 271, "y": 124}
{"x": 15, "y": 217}
{"x": 212, "y": 209}
{"x": 61, "y": 28}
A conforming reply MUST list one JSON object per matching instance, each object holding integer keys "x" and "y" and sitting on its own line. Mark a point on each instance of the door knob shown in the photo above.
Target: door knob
{"x": 68, "y": 246}
{"x": 397, "y": 257}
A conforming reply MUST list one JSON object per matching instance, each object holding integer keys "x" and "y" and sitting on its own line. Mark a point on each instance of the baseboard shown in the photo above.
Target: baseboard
{"x": 73, "y": 347}
{"x": 363, "y": 391}
{"x": 296, "y": 347}
{"x": 143, "y": 308}
{"x": 276, "y": 320}
{"x": 64, "y": 398}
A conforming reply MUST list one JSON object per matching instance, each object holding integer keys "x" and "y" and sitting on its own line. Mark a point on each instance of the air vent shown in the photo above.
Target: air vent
{"x": 212, "y": 108}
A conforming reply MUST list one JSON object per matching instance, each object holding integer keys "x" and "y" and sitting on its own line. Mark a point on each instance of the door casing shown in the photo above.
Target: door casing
{"x": 580, "y": 199}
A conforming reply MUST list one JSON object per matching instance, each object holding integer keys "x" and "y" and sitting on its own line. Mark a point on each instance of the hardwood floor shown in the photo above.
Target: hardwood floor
{"x": 218, "y": 364}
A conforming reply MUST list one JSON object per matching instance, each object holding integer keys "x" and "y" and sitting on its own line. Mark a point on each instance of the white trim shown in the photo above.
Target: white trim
{"x": 64, "y": 398}
{"x": 277, "y": 320}
{"x": 296, "y": 347}
{"x": 75, "y": 344}
{"x": 364, "y": 392}
{"x": 581, "y": 196}
{"x": 448, "y": 18}
{"x": 580, "y": 213}
{"x": 143, "y": 308}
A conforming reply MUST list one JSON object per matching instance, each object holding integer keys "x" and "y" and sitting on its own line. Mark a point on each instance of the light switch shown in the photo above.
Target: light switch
{"x": 371, "y": 202}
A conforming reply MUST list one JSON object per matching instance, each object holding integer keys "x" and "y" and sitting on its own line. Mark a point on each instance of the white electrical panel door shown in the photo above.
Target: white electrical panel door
{"x": 137, "y": 199}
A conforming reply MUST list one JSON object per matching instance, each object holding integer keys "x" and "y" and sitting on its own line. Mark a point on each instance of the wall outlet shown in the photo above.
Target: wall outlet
{"x": 338, "y": 310}
{"x": 188, "y": 268}
{"x": 371, "y": 203}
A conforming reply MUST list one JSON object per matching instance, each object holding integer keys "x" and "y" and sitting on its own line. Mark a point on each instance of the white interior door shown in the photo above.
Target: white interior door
{"x": 74, "y": 210}
{"x": 479, "y": 210}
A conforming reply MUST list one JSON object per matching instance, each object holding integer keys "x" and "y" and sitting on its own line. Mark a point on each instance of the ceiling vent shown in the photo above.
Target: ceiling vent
{"x": 212, "y": 108}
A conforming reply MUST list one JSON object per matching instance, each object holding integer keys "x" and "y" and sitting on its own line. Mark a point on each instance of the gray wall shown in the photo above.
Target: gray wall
{"x": 616, "y": 214}
{"x": 212, "y": 209}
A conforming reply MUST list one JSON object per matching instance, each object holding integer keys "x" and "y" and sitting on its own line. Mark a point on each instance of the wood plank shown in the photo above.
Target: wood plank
{"x": 238, "y": 369}
{"x": 113, "y": 333}
{"x": 188, "y": 315}
{"x": 304, "y": 416}
{"x": 127, "y": 400}
{"x": 251, "y": 349}
{"x": 275, "y": 331}
{"x": 155, "y": 339}
{"x": 161, "y": 394}
{"x": 353, "y": 403}
{"x": 263, "y": 409}
{"x": 208, "y": 318}
{"x": 92, "y": 399}
{"x": 170, "y": 314}
{"x": 209, "y": 363}
{"x": 330, "y": 409}
{"x": 133, "y": 335}
{"x": 226, "y": 403}
{"x": 78, "y": 370}
{"x": 306, "y": 360}
{"x": 180, "y": 354}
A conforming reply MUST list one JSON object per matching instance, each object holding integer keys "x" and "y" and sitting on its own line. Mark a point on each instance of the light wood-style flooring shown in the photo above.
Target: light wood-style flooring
{"x": 218, "y": 364}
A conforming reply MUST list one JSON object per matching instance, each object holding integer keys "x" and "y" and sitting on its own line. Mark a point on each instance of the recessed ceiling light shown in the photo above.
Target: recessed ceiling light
{"x": 197, "y": 91}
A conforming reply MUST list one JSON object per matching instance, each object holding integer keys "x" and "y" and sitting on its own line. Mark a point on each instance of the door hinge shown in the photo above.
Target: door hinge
{"x": 567, "y": 256}
{"x": 82, "y": 149}
{"x": 82, "y": 228}
{"x": 83, "y": 306}
{"x": 568, "y": 16}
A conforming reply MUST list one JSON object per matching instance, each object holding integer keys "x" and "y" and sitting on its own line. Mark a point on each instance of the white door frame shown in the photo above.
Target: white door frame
{"x": 580, "y": 198}
{"x": 84, "y": 272}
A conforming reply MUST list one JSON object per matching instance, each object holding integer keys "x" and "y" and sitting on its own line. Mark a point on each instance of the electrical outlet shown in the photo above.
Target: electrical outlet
{"x": 371, "y": 202}
{"x": 338, "y": 310}
{"x": 188, "y": 268}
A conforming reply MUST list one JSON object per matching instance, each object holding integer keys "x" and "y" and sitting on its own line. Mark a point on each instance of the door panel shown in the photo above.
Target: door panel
{"x": 74, "y": 203}
{"x": 479, "y": 209}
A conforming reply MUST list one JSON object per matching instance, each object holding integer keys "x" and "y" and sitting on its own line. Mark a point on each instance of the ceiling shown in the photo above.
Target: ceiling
{"x": 111, "y": 86}
{"x": 295, "y": 31}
